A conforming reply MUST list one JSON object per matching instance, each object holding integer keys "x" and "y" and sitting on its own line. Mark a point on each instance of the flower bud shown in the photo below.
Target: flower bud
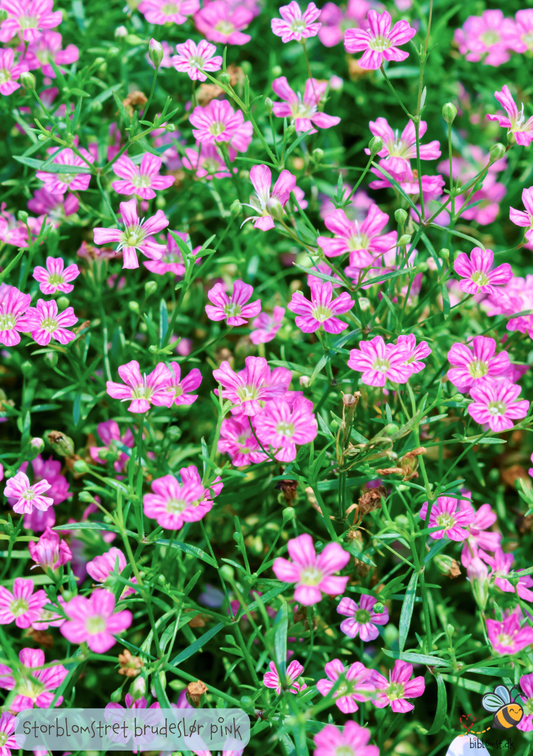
{"x": 86, "y": 497}
{"x": 116, "y": 696}
{"x": 404, "y": 239}
{"x": 276, "y": 71}
{"x": 290, "y": 130}
{"x": 3, "y": 15}
{"x": 378, "y": 608}
{"x": 390, "y": 429}
{"x": 150, "y": 287}
{"x": 170, "y": 127}
{"x": 305, "y": 380}
{"x": 61, "y": 444}
{"x": 288, "y": 514}
{"x": 27, "y": 79}
{"x": 138, "y": 688}
{"x": 37, "y": 444}
{"x": 236, "y": 208}
{"x": 318, "y": 155}
{"x": 155, "y": 52}
{"x": 364, "y": 303}
{"x": 81, "y": 467}
{"x": 449, "y": 112}
{"x": 422, "y": 267}
{"x": 113, "y": 52}
{"x": 496, "y": 152}
{"x": 62, "y": 303}
{"x": 51, "y": 359}
{"x": 224, "y": 78}
{"x": 478, "y": 575}
{"x": 42, "y": 137}
{"x": 227, "y": 572}
{"x": 401, "y": 216}
{"x": 121, "y": 32}
{"x": 133, "y": 305}
{"x": 22, "y": 215}
{"x": 275, "y": 208}
{"x": 375, "y": 145}
{"x": 269, "y": 105}
{"x": 133, "y": 39}
{"x": 27, "y": 367}
{"x": 444, "y": 254}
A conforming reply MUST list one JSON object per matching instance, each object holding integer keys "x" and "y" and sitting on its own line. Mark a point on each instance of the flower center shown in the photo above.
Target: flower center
{"x": 3, "y": 738}
{"x": 398, "y": 148}
{"x": 49, "y": 324}
{"x": 141, "y": 182}
{"x": 56, "y": 279}
{"x": 478, "y": 369}
{"x": 5, "y": 75}
{"x": 321, "y": 313}
{"x": 95, "y": 625}
{"x": 497, "y": 408}
{"x": 395, "y": 691}
{"x": 504, "y": 640}
{"x": 210, "y": 165}
{"x": 29, "y": 494}
{"x": 232, "y": 310}
{"x": 299, "y": 109}
{"x": 68, "y": 178}
{"x": 176, "y": 506}
{"x": 527, "y": 38}
{"x": 518, "y": 122}
{"x": 344, "y": 750}
{"x": 379, "y": 44}
{"x": 445, "y": 520}
{"x": 311, "y": 576}
{"x": 362, "y": 616}
{"x": 381, "y": 364}
{"x": 357, "y": 242}
{"x": 19, "y": 607}
{"x": 480, "y": 278}
{"x": 285, "y": 429}
{"x": 28, "y": 22}
{"x": 7, "y": 322}
{"x": 196, "y": 61}
{"x": 30, "y": 688}
{"x": 298, "y": 26}
{"x": 217, "y": 128}
{"x": 132, "y": 236}
{"x": 225, "y": 27}
{"x": 247, "y": 392}
{"x": 490, "y": 37}
{"x": 342, "y": 690}
{"x": 169, "y": 9}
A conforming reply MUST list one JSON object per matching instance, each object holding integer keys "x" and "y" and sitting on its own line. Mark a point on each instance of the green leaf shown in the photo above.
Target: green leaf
{"x": 407, "y": 611}
{"x": 414, "y": 658}
{"x": 189, "y": 549}
{"x": 197, "y": 645}
{"x": 281, "y": 624}
{"x": 442, "y": 707}
{"x": 51, "y": 167}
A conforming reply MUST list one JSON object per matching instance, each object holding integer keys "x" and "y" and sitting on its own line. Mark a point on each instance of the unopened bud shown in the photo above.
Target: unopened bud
{"x": 133, "y": 305}
{"x": 51, "y": 359}
{"x": 275, "y": 208}
{"x": 235, "y": 209}
{"x": 288, "y": 514}
{"x": 449, "y": 112}
{"x": 3, "y": 15}
{"x": 511, "y": 139}
{"x": 224, "y": 78}
{"x": 42, "y": 137}
{"x": 496, "y": 152}
{"x": 318, "y": 155}
{"x": 390, "y": 429}
{"x": 113, "y": 52}
{"x": 116, "y": 695}
{"x": 150, "y": 287}
{"x": 27, "y": 367}
{"x": 378, "y": 608}
{"x": 133, "y": 39}
{"x": 276, "y": 71}
{"x": 121, "y": 32}
{"x": 478, "y": 575}
{"x": 61, "y": 444}
{"x": 81, "y": 467}
{"x": 404, "y": 239}
{"x": 305, "y": 380}
{"x": 170, "y": 127}
{"x": 422, "y": 267}
{"x": 155, "y": 52}
{"x": 22, "y": 215}
{"x": 138, "y": 688}
{"x": 269, "y": 105}
{"x": 375, "y": 145}
{"x": 444, "y": 254}
{"x": 27, "y": 79}
{"x": 227, "y": 572}
{"x": 37, "y": 444}
{"x": 400, "y": 216}
{"x": 86, "y": 497}
{"x": 290, "y": 130}
{"x": 62, "y": 303}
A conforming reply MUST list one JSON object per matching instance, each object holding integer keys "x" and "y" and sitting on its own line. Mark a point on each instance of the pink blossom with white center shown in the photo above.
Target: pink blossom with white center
{"x": 56, "y": 207}
{"x": 356, "y": 686}
{"x": 234, "y": 309}
{"x": 497, "y": 405}
{"x": 32, "y": 688}
{"x": 172, "y": 504}
{"x": 394, "y": 691}
{"x": 218, "y": 122}
{"x": 55, "y": 277}
{"x": 526, "y": 683}
{"x": 351, "y": 741}
{"x": 362, "y": 617}
{"x": 172, "y": 260}
{"x": 47, "y": 48}
{"x": 480, "y": 536}
{"x": 142, "y": 390}
{"x": 522, "y": 35}
{"x": 313, "y": 575}
{"x": 266, "y": 326}
{"x": 28, "y": 18}
{"x": 110, "y": 434}
{"x": 475, "y": 363}
{"x": 180, "y": 388}
{"x": 362, "y": 239}
{"x": 379, "y": 362}
{"x": 220, "y": 23}
{"x": 193, "y": 59}
{"x": 136, "y": 235}
{"x": 107, "y": 567}
{"x": 59, "y": 183}
{"x": 303, "y": 111}
{"x": 515, "y": 297}
{"x": 515, "y": 121}
{"x": 238, "y": 441}
{"x": 44, "y": 322}
{"x": 476, "y": 159}
{"x": 50, "y": 552}
{"x": 267, "y": 203}
{"x": 416, "y": 352}
{"x": 379, "y": 41}
{"x": 293, "y": 672}
{"x": 27, "y": 496}
{"x": 507, "y": 637}
{"x": 487, "y": 200}
{"x": 293, "y": 26}
{"x": 94, "y": 621}
{"x": 12, "y": 231}
{"x": 334, "y": 21}
{"x": 476, "y": 274}
{"x": 399, "y": 149}
{"x": 322, "y": 310}
{"x": 206, "y": 161}
{"x": 9, "y": 71}
{"x": 489, "y": 33}
{"x": 48, "y": 470}
{"x": 161, "y": 12}
{"x": 524, "y": 218}
{"x": 256, "y": 383}
{"x": 452, "y": 516}
{"x": 282, "y": 427}
{"x": 501, "y": 564}
{"x": 143, "y": 180}
{"x": 22, "y": 606}
{"x": 13, "y": 306}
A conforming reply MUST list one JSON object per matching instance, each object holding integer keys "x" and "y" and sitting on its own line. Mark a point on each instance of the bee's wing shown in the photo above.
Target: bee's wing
{"x": 492, "y": 702}
{"x": 503, "y": 692}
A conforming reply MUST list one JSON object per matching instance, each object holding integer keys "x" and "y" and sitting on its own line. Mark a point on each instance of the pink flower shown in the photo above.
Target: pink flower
{"x": 394, "y": 691}
{"x": 501, "y": 564}
{"x": 524, "y": 218}
{"x": 362, "y": 617}
{"x": 55, "y": 276}
{"x": 526, "y": 683}
{"x": 256, "y": 383}
{"x": 45, "y": 322}
{"x": 142, "y": 390}
{"x": 282, "y": 427}
{"x": 356, "y": 686}
{"x": 49, "y": 552}
{"x": 35, "y": 687}
{"x": 13, "y": 306}
{"x": 27, "y": 18}
{"x": 173, "y": 503}
{"x": 93, "y": 620}
{"x": 487, "y": 200}
{"x": 475, "y": 363}
{"x": 136, "y": 235}
{"x": 303, "y": 110}
{"x": 522, "y": 34}
{"x": 47, "y": 48}
{"x": 515, "y": 297}
{"x": 480, "y": 536}
{"x": 452, "y": 516}
{"x": 180, "y": 388}
{"x": 351, "y": 741}
{"x": 237, "y": 440}
{"x": 10, "y": 71}
{"x": 234, "y": 309}
{"x": 322, "y": 310}
{"x": 507, "y": 637}
{"x": 416, "y": 352}
{"x": 56, "y": 207}
{"x": 515, "y": 121}
{"x": 164, "y": 11}
{"x": 143, "y": 180}
{"x": 379, "y": 362}
{"x": 218, "y": 122}
{"x": 269, "y": 204}
{"x": 27, "y": 496}
{"x": 477, "y": 274}
{"x": 193, "y": 59}
{"x": 379, "y": 41}
{"x": 293, "y": 672}
{"x": 266, "y": 326}
{"x": 23, "y": 606}
{"x": 362, "y": 239}
{"x": 293, "y": 26}
{"x": 206, "y": 161}
{"x": 105, "y": 568}
{"x": 398, "y": 150}
{"x": 172, "y": 260}
{"x": 11, "y": 742}
{"x": 489, "y": 33}
{"x": 110, "y": 434}
{"x": 220, "y": 23}
{"x": 335, "y": 22}
{"x": 59, "y": 183}
{"x": 312, "y": 574}
{"x": 496, "y": 405}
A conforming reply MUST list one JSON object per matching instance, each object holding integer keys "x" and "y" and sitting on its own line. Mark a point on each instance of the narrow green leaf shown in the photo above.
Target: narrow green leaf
{"x": 197, "y": 645}
{"x": 407, "y": 611}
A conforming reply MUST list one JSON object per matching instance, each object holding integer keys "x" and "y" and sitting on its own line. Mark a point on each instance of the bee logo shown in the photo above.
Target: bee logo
{"x": 507, "y": 712}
